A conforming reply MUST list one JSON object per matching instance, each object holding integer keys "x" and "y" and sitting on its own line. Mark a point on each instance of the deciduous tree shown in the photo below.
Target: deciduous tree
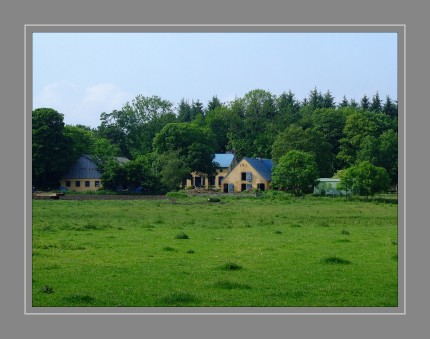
{"x": 364, "y": 179}
{"x": 52, "y": 151}
{"x": 296, "y": 172}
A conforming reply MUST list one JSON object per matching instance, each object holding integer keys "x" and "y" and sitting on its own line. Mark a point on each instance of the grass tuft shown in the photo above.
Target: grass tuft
{"x": 178, "y": 298}
{"x": 190, "y": 251}
{"x": 229, "y": 285}
{"x": 169, "y": 249}
{"x": 47, "y": 289}
{"x": 336, "y": 260}
{"x": 345, "y": 232}
{"x": 231, "y": 266}
{"x": 181, "y": 235}
{"x": 79, "y": 299}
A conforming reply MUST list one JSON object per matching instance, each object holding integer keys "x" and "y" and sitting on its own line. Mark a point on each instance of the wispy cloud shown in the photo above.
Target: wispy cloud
{"x": 81, "y": 105}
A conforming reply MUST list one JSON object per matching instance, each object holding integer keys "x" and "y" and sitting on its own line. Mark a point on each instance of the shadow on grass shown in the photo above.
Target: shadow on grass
{"x": 178, "y": 298}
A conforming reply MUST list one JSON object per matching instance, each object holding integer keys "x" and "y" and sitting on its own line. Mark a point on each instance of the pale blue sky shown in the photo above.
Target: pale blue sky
{"x": 84, "y": 74}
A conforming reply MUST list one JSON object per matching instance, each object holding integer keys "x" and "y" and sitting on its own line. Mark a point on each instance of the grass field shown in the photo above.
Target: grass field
{"x": 238, "y": 252}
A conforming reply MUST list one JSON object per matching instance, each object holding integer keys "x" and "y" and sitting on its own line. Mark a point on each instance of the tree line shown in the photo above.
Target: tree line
{"x": 166, "y": 143}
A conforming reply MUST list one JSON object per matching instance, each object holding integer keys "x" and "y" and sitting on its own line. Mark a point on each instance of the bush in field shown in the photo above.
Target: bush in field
{"x": 296, "y": 172}
{"x": 364, "y": 179}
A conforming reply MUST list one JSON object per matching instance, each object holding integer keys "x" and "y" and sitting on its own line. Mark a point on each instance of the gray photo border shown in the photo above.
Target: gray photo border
{"x": 14, "y": 15}
{"x": 399, "y": 310}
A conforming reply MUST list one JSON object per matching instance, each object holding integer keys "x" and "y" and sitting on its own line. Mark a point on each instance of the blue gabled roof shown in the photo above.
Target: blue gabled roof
{"x": 262, "y": 166}
{"x": 223, "y": 160}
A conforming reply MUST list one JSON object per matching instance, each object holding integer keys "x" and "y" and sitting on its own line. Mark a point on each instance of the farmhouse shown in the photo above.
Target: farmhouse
{"x": 225, "y": 163}
{"x": 83, "y": 175}
{"x": 249, "y": 173}
{"x": 328, "y": 186}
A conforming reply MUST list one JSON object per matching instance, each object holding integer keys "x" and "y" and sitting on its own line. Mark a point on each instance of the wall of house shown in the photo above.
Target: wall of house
{"x": 221, "y": 173}
{"x": 235, "y": 177}
{"x": 85, "y": 184}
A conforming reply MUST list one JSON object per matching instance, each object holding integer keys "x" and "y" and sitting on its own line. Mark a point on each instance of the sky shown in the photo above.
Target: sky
{"x": 82, "y": 75}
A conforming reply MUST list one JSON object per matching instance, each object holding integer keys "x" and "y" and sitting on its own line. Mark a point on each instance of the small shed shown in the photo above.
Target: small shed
{"x": 328, "y": 186}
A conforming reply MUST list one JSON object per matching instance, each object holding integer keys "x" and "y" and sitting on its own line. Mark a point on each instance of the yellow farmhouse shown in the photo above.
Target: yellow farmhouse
{"x": 225, "y": 163}
{"x": 249, "y": 173}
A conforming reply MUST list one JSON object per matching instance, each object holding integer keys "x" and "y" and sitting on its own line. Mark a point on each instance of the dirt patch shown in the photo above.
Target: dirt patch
{"x": 112, "y": 197}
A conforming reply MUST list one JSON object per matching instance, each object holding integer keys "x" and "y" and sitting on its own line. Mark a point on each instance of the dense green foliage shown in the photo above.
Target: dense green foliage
{"x": 243, "y": 252}
{"x": 364, "y": 179}
{"x": 259, "y": 124}
{"x": 52, "y": 151}
{"x": 296, "y": 172}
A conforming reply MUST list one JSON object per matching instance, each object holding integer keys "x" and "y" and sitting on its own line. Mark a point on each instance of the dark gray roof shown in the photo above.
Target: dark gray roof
{"x": 262, "y": 166}
{"x": 85, "y": 168}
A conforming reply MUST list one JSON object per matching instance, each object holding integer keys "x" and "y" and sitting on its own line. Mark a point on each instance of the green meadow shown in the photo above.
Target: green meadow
{"x": 272, "y": 251}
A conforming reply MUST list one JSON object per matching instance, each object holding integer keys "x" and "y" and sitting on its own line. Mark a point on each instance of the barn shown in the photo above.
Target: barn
{"x": 83, "y": 175}
{"x": 225, "y": 163}
{"x": 249, "y": 173}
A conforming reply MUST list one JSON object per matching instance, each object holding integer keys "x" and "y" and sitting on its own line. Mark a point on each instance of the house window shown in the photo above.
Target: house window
{"x": 219, "y": 180}
{"x": 246, "y": 176}
{"x": 243, "y": 187}
{"x": 261, "y": 187}
{"x": 197, "y": 181}
{"x": 68, "y": 183}
{"x": 77, "y": 183}
{"x": 248, "y": 186}
{"x": 97, "y": 183}
{"x": 212, "y": 181}
{"x": 87, "y": 183}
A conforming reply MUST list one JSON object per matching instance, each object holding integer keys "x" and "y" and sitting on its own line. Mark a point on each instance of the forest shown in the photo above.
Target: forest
{"x": 166, "y": 142}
